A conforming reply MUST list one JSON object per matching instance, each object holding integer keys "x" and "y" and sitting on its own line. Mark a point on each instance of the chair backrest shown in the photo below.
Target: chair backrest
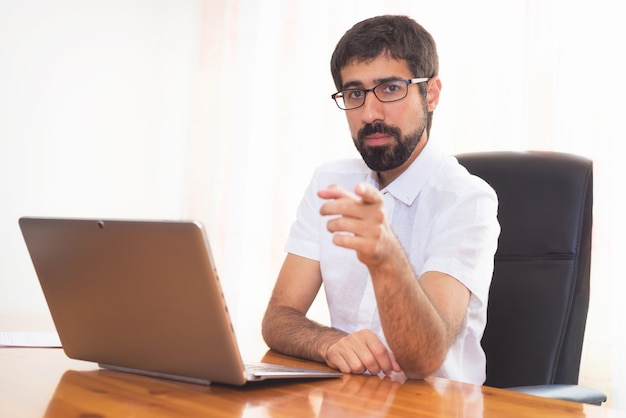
{"x": 539, "y": 295}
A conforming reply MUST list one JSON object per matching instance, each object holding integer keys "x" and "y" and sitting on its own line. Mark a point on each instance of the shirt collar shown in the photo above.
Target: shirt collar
{"x": 408, "y": 185}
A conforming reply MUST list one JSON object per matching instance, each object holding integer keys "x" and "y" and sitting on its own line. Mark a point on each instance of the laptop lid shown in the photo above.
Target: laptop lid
{"x": 138, "y": 296}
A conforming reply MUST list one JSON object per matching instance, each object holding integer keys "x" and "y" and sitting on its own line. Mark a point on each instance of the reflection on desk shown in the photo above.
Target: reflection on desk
{"x": 82, "y": 390}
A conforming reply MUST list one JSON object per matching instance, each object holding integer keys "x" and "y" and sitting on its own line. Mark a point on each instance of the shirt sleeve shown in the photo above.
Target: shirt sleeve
{"x": 464, "y": 239}
{"x": 303, "y": 239}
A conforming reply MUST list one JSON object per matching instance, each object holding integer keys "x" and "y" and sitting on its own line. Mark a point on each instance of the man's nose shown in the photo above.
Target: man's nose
{"x": 372, "y": 109}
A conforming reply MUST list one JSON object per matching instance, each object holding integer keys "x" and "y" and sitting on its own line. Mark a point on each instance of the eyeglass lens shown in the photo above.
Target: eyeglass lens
{"x": 386, "y": 92}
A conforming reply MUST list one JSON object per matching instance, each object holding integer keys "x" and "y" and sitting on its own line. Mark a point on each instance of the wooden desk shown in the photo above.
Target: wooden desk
{"x": 40, "y": 382}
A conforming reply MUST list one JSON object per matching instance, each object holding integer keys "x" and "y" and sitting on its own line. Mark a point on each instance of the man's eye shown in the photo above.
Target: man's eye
{"x": 390, "y": 88}
{"x": 355, "y": 94}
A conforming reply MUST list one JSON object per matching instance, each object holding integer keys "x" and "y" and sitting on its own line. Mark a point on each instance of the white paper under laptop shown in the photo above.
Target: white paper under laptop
{"x": 140, "y": 296}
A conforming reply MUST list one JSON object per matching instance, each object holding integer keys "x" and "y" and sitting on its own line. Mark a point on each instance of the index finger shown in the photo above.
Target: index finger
{"x": 335, "y": 191}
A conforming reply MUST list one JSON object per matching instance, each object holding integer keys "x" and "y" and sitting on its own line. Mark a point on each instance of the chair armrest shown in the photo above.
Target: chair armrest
{"x": 574, "y": 393}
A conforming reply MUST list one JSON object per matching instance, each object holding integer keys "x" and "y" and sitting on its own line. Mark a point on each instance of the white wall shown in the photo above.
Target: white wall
{"x": 95, "y": 105}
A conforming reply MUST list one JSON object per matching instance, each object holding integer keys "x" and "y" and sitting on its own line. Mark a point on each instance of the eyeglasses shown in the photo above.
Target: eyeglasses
{"x": 389, "y": 91}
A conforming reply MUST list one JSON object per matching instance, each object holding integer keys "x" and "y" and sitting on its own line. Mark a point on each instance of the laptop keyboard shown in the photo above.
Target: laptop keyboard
{"x": 270, "y": 368}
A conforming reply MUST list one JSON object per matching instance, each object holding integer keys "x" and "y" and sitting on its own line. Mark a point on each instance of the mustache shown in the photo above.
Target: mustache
{"x": 378, "y": 128}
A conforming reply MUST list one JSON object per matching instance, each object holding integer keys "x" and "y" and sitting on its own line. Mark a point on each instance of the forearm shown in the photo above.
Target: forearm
{"x": 290, "y": 332}
{"x": 416, "y": 332}
{"x": 417, "y": 340}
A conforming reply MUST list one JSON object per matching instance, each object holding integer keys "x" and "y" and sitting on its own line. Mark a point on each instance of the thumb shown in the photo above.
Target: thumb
{"x": 368, "y": 193}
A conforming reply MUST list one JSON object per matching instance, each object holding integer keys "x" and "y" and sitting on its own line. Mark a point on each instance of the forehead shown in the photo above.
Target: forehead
{"x": 371, "y": 72}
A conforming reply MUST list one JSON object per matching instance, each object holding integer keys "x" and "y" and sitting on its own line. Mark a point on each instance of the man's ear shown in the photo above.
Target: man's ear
{"x": 432, "y": 94}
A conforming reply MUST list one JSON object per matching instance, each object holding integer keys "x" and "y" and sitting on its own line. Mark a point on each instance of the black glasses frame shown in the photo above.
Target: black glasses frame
{"x": 338, "y": 97}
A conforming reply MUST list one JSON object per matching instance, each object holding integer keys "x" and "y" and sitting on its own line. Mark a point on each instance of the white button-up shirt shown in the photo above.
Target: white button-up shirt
{"x": 446, "y": 221}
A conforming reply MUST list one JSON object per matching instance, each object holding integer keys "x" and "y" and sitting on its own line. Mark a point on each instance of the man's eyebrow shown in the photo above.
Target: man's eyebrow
{"x": 359, "y": 85}
{"x": 352, "y": 85}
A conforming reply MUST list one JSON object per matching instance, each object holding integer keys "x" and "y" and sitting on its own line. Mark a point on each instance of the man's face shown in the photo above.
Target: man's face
{"x": 389, "y": 135}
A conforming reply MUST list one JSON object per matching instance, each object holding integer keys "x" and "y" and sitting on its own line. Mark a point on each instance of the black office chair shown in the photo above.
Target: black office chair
{"x": 539, "y": 295}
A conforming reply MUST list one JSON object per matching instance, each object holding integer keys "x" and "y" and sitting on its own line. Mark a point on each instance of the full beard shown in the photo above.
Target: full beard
{"x": 387, "y": 157}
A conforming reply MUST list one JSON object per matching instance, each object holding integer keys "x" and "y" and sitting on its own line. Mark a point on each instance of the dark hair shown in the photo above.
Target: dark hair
{"x": 399, "y": 36}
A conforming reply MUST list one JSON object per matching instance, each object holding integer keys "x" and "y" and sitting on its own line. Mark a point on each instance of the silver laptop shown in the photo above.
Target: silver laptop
{"x": 142, "y": 297}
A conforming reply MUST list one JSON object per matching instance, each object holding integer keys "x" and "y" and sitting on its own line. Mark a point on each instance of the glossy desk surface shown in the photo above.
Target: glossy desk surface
{"x": 43, "y": 382}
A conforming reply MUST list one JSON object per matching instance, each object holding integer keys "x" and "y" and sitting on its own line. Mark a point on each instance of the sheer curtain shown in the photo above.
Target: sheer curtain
{"x": 516, "y": 75}
{"x": 219, "y": 110}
